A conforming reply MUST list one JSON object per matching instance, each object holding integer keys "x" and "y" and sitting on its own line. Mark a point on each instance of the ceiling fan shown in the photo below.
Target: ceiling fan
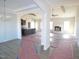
{"x": 53, "y": 14}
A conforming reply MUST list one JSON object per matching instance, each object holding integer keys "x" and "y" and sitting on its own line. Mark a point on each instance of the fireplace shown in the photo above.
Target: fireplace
{"x": 57, "y": 28}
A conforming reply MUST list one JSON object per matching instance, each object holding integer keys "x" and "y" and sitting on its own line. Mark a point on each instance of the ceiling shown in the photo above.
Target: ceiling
{"x": 63, "y": 2}
{"x": 34, "y": 16}
{"x": 69, "y": 6}
{"x": 69, "y": 11}
{"x": 17, "y": 5}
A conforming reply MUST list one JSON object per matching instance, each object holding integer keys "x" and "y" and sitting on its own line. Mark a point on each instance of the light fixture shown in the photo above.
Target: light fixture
{"x": 53, "y": 13}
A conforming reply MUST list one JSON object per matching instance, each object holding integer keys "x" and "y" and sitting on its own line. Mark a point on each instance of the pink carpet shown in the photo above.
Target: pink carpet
{"x": 27, "y": 50}
{"x": 64, "y": 50}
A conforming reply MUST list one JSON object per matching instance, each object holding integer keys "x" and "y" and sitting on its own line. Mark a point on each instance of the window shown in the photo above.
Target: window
{"x": 32, "y": 24}
{"x": 29, "y": 24}
{"x": 66, "y": 26}
{"x": 36, "y": 25}
{"x": 51, "y": 25}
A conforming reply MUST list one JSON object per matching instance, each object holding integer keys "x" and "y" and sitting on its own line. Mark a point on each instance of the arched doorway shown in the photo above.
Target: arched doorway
{"x": 30, "y": 23}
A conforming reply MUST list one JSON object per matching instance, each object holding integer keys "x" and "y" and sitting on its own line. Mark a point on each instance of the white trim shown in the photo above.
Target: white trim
{"x": 24, "y": 8}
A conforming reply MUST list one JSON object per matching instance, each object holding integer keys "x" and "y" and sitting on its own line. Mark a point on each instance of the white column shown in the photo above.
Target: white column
{"x": 45, "y": 31}
{"x": 77, "y": 25}
{"x": 19, "y": 27}
{"x": 39, "y": 25}
{"x": 77, "y": 22}
{"x": 45, "y": 25}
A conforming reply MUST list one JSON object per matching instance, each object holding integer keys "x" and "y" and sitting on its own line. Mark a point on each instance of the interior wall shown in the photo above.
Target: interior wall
{"x": 36, "y": 24}
{"x": 8, "y": 28}
{"x": 60, "y": 22}
{"x": 36, "y": 11}
{"x": 27, "y": 20}
{"x": 77, "y": 23}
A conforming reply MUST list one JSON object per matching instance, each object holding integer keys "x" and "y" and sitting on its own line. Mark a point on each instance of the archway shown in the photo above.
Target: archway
{"x": 30, "y": 23}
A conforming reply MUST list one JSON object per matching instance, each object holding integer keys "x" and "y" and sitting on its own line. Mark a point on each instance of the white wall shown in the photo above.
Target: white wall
{"x": 77, "y": 23}
{"x": 8, "y": 28}
{"x": 60, "y": 22}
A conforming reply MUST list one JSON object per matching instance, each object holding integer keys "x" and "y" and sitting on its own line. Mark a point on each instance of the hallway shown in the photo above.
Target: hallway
{"x": 62, "y": 48}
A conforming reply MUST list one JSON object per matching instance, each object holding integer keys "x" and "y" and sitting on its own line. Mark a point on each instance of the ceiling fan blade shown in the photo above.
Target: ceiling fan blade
{"x": 54, "y": 15}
